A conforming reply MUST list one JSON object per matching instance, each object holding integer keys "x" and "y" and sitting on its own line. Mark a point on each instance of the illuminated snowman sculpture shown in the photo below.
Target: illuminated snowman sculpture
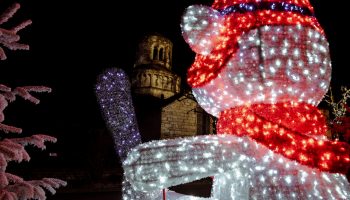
{"x": 262, "y": 66}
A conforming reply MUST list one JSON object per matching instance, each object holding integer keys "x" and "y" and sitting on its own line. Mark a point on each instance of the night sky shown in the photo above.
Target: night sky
{"x": 73, "y": 41}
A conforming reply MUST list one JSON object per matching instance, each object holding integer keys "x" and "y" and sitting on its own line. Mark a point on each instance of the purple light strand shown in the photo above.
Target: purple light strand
{"x": 114, "y": 96}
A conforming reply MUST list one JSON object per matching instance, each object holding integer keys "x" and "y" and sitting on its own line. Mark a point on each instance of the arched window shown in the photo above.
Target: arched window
{"x": 161, "y": 55}
{"x": 155, "y": 53}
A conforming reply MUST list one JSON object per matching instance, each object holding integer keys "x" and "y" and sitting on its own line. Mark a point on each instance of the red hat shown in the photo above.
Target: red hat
{"x": 240, "y": 16}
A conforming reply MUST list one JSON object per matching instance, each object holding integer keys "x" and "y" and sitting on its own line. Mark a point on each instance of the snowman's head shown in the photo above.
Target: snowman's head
{"x": 256, "y": 51}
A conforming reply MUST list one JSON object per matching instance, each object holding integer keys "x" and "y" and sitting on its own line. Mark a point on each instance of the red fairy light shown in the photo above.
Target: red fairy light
{"x": 206, "y": 68}
{"x": 293, "y": 140}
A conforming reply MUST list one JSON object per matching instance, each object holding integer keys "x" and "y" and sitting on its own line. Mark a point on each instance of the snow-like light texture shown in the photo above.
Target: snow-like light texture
{"x": 239, "y": 19}
{"x": 7, "y": 95}
{"x": 114, "y": 96}
{"x": 201, "y": 27}
{"x": 12, "y": 149}
{"x": 30, "y": 189}
{"x": 283, "y": 58}
{"x": 272, "y": 64}
{"x": 262, "y": 66}
{"x": 9, "y": 37}
{"x": 13, "y": 187}
{"x": 242, "y": 169}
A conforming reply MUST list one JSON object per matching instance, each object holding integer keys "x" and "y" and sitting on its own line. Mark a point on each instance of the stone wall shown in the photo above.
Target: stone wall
{"x": 205, "y": 123}
{"x": 157, "y": 83}
{"x": 179, "y": 119}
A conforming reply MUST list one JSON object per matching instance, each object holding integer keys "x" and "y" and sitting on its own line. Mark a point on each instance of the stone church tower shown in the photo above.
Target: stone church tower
{"x": 152, "y": 73}
{"x": 163, "y": 109}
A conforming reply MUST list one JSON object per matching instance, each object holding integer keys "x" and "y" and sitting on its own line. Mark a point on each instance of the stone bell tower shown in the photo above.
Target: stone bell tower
{"x": 152, "y": 73}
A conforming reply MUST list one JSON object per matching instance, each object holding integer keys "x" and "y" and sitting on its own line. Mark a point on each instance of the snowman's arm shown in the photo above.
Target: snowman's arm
{"x": 165, "y": 163}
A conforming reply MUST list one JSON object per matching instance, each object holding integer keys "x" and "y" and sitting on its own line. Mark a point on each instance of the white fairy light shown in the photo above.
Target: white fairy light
{"x": 286, "y": 58}
{"x": 197, "y": 20}
{"x": 283, "y": 62}
{"x": 230, "y": 170}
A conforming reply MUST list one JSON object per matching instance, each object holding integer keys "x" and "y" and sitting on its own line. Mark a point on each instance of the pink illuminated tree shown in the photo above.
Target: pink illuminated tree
{"x": 9, "y": 37}
{"x": 13, "y": 187}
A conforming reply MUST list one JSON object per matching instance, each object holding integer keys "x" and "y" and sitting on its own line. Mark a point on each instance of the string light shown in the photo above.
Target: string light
{"x": 237, "y": 22}
{"x": 279, "y": 75}
{"x": 114, "y": 96}
{"x": 294, "y": 130}
{"x": 242, "y": 169}
{"x": 262, "y": 67}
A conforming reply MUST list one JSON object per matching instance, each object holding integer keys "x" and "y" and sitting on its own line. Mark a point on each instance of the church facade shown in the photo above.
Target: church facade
{"x": 163, "y": 108}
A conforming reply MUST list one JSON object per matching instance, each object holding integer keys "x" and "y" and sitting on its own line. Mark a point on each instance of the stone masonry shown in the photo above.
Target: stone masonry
{"x": 179, "y": 119}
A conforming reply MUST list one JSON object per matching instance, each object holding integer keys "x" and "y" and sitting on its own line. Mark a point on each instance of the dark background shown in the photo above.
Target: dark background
{"x": 73, "y": 41}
